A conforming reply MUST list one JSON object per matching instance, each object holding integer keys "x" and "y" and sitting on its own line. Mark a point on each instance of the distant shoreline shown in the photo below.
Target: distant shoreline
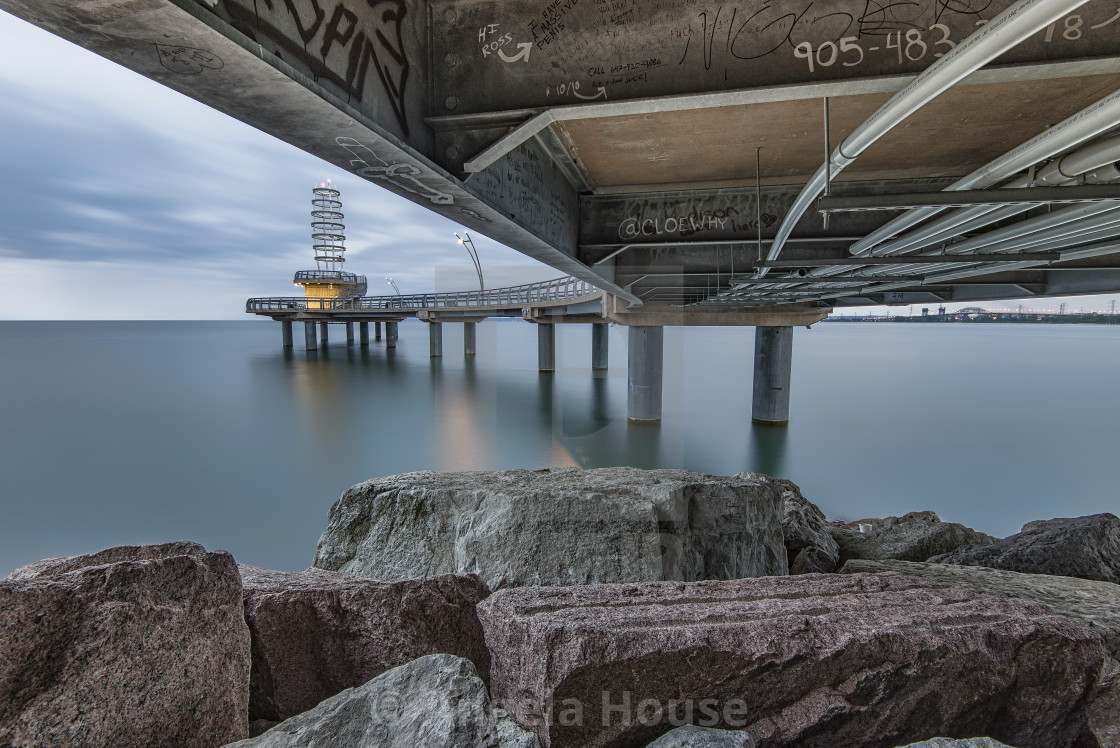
{"x": 1013, "y": 318}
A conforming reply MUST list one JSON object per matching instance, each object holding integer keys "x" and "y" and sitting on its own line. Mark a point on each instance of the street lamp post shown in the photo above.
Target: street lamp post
{"x": 469, "y": 245}
{"x": 393, "y": 283}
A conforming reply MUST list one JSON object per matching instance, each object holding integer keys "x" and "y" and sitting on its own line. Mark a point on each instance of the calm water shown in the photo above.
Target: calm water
{"x": 139, "y": 432}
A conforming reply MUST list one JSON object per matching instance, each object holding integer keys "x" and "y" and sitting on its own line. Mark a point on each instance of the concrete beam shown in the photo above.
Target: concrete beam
{"x": 773, "y": 357}
{"x": 662, "y": 315}
{"x": 645, "y": 369}
{"x": 309, "y": 337}
{"x": 435, "y": 339}
{"x": 546, "y": 347}
{"x": 469, "y": 338}
{"x": 600, "y": 340}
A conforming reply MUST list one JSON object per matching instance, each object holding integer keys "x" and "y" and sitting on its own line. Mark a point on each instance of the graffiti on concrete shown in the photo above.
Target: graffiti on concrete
{"x": 187, "y": 60}
{"x": 335, "y": 42}
{"x": 403, "y": 176}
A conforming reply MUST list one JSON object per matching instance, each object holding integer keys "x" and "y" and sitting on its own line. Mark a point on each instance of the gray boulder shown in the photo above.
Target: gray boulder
{"x": 956, "y": 743}
{"x": 558, "y": 527}
{"x": 436, "y": 701}
{"x": 691, "y": 736}
{"x": 1096, "y": 603}
{"x": 127, "y": 648}
{"x": 809, "y": 545}
{"x": 1085, "y": 547}
{"x": 317, "y": 632}
{"x": 805, "y": 661}
{"x": 912, "y": 537}
{"x": 1104, "y": 708}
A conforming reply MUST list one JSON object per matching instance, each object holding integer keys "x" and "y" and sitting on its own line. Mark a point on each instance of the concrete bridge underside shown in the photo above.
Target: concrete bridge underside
{"x": 659, "y": 149}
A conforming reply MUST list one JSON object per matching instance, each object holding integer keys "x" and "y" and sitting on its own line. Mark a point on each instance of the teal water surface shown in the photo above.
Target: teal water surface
{"x": 139, "y": 432}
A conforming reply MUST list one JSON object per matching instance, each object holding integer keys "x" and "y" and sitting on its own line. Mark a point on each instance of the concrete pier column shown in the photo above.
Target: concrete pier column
{"x": 309, "y": 337}
{"x": 349, "y": 333}
{"x": 363, "y": 334}
{"x": 286, "y": 332}
{"x": 546, "y": 347}
{"x": 377, "y": 330}
{"x": 322, "y": 333}
{"x": 469, "y": 330}
{"x": 773, "y": 358}
{"x": 390, "y": 334}
{"x": 435, "y": 339}
{"x": 599, "y": 346}
{"x": 645, "y": 364}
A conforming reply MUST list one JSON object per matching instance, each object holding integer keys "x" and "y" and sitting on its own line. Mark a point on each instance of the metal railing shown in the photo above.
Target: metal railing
{"x": 557, "y": 289}
{"x": 328, "y": 275}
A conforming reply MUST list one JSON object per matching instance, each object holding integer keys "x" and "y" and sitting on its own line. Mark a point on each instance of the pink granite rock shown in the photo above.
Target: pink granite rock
{"x": 318, "y": 632}
{"x": 130, "y": 647}
{"x": 875, "y": 661}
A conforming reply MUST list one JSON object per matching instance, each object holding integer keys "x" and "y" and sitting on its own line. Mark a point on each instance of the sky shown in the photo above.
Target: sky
{"x": 122, "y": 199}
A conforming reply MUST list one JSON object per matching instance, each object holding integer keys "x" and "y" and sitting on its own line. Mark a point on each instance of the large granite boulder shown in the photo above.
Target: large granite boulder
{"x": 959, "y": 743}
{"x": 558, "y": 527}
{"x": 130, "y": 647}
{"x": 873, "y": 660}
{"x": 1104, "y": 708}
{"x": 1085, "y": 547}
{"x": 691, "y": 736}
{"x": 436, "y": 701}
{"x": 315, "y": 633}
{"x": 1096, "y": 603}
{"x": 912, "y": 537}
{"x": 810, "y": 546}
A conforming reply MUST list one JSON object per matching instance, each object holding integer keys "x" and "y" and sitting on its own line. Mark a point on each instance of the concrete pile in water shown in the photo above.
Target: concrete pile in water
{"x": 171, "y": 645}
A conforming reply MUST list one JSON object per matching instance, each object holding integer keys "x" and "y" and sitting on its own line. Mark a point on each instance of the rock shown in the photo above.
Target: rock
{"x": 1085, "y": 547}
{"x": 557, "y": 526}
{"x": 809, "y": 660}
{"x": 1097, "y": 603}
{"x": 809, "y": 545}
{"x": 317, "y": 632}
{"x": 130, "y": 647}
{"x": 912, "y": 537}
{"x": 1104, "y": 708}
{"x": 691, "y": 736}
{"x": 957, "y": 743}
{"x": 436, "y": 701}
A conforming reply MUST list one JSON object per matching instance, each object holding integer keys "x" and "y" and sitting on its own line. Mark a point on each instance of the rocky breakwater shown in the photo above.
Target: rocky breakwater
{"x": 870, "y": 660}
{"x": 133, "y": 646}
{"x": 315, "y": 633}
{"x": 1085, "y": 547}
{"x": 558, "y": 527}
{"x": 916, "y": 536}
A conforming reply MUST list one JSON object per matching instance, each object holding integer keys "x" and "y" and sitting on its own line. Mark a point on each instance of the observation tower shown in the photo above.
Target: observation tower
{"x": 328, "y": 280}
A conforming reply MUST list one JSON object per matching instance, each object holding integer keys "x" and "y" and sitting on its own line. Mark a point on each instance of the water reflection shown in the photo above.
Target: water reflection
{"x": 768, "y": 449}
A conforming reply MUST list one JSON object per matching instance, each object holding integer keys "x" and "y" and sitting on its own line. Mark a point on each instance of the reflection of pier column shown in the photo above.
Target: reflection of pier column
{"x": 546, "y": 347}
{"x": 469, "y": 330}
{"x": 435, "y": 339}
{"x": 323, "y": 333}
{"x": 645, "y": 362}
{"x": 377, "y": 330}
{"x": 349, "y": 333}
{"x": 391, "y": 334}
{"x": 309, "y": 336}
{"x": 773, "y": 358}
{"x": 363, "y": 334}
{"x": 286, "y": 332}
{"x": 599, "y": 343}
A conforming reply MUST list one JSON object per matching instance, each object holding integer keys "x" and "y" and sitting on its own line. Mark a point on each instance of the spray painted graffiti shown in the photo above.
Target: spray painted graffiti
{"x": 187, "y": 60}
{"x": 402, "y": 176}
{"x": 335, "y": 43}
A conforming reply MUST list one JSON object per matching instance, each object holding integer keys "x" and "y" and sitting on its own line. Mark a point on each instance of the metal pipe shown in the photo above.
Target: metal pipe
{"x": 1086, "y": 124}
{"x": 1006, "y": 30}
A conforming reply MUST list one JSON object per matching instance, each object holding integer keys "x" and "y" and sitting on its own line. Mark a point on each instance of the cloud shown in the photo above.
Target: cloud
{"x": 115, "y": 184}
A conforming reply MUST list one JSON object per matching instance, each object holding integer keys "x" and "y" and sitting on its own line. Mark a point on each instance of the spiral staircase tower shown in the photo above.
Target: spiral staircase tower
{"x": 328, "y": 281}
